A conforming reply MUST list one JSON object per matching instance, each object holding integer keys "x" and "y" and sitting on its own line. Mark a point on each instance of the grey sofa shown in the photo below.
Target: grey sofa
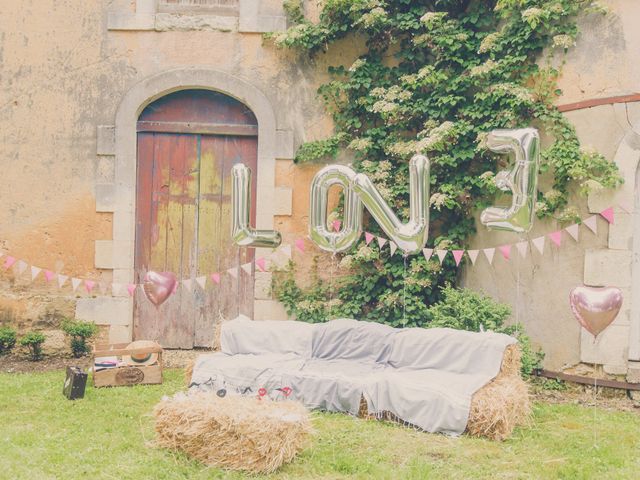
{"x": 425, "y": 377}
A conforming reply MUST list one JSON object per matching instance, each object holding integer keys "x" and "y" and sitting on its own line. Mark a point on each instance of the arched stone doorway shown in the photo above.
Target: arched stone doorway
{"x": 187, "y": 142}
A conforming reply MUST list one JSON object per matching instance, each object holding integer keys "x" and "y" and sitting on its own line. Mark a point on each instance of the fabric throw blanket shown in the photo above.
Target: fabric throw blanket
{"x": 425, "y": 377}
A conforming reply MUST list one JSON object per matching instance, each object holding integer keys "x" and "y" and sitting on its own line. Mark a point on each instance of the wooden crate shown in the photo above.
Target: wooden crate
{"x": 130, "y": 374}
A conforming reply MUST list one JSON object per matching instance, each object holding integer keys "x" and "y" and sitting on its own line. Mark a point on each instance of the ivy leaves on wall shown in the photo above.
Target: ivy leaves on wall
{"x": 435, "y": 77}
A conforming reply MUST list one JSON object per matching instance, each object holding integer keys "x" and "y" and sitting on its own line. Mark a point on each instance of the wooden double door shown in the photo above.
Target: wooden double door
{"x": 187, "y": 144}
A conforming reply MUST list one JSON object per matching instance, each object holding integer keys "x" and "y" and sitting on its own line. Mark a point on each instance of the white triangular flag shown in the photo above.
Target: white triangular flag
{"x": 233, "y": 271}
{"x": 489, "y": 253}
{"x": 62, "y": 279}
{"x": 34, "y": 272}
{"x": 202, "y": 281}
{"x": 116, "y": 289}
{"x": 393, "y": 247}
{"x": 102, "y": 286}
{"x": 75, "y": 283}
{"x": 592, "y": 223}
{"x": 1, "y": 253}
{"x": 21, "y": 266}
{"x": 285, "y": 250}
{"x": 573, "y": 231}
{"x": 626, "y": 206}
{"x": 441, "y": 254}
{"x": 187, "y": 283}
{"x": 522, "y": 248}
{"x": 427, "y": 252}
{"x": 247, "y": 268}
{"x": 539, "y": 243}
{"x": 473, "y": 255}
{"x": 381, "y": 241}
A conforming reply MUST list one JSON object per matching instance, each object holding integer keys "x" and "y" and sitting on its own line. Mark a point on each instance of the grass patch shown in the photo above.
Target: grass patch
{"x": 108, "y": 435}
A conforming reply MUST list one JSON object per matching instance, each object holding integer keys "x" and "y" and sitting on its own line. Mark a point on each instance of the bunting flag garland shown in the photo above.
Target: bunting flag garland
{"x": 34, "y": 272}
{"x": 262, "y": 264}
{"x": 607, "y": 214}
{"x": 539, "y": 244}
{"x": 506, "y": 251}
{"x": 522, "y": 248}
{"x": 489, "y": 253}
{"x": 368, "y": 237}
{"x": 592, "y": 224}
{"x": 556, "y": 237}
{"x": 625, "y": 207}
{"x": 573, "y": 231}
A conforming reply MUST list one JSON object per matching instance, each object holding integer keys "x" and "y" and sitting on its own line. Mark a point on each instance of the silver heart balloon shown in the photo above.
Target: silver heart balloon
{"x": 595, "y": 307}
{"x": 158, "y": 286}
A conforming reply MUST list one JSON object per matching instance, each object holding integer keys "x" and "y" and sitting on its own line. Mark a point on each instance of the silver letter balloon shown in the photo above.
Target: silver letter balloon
{"x": 351, "y": 229}
{"x": 521, "y": 180}
{"x": 241, "y": 233}
{"x": 411, "y": 237}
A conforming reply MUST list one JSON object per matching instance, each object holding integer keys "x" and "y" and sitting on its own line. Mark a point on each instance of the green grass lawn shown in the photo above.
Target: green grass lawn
{"x": 109, "y": 434}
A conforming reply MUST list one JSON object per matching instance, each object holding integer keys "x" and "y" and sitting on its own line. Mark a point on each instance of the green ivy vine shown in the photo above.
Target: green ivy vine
{"x": 436, "y": 76}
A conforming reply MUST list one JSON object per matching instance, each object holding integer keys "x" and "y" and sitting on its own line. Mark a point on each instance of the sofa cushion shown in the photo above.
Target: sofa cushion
{"x": 449, "y": 350}
{"x": 350, "y": 339}
{"x": 244, "y": 336}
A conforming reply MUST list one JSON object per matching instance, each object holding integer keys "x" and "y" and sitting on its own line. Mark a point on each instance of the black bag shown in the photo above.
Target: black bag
{"x": 75, "y": 383}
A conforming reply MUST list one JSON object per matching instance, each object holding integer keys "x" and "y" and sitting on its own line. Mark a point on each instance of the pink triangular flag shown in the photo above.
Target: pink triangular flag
{"x": 539, "y": 244}
{"x": 393, "y": 247}
{"x": 215, "y": 277}
{"x": 233, "y": 271}
{"x": 22, "y": 266}
{"x": 261, "y": 263}
{"x": 336, "y": 225}
{"x": 573, "y": 231}
{"x": 427, "y": 252}
{"x": 299, "y": 244}
{"x": 457, "y": 256}
{"x": 381, "y": 242}
{"x": 131, "y": 288}
{"x": 62, "y": 279}
{"x": 9, "y": 261}
{"x": 89, "y": 285}
{"x": 34, "y": 272}
{"x": 473, "y": 255}
{"x": 592, "y": 223}
{"x": 247, "y": 267}
{"x": 368, "y": 237}
{"x": 607, "y": 214}
{"x": 556, "y": 237}
{"x": 522, "y": 248}
{"x": 441, "y": 254}
{"x": 75, "y": 283}
{"x": 187, "y": 283}
{"x": 505, "y": 250}
{"x": 489, "y": 253}
{"x": 48, "y": 274}
{"x": 202, "y": 281}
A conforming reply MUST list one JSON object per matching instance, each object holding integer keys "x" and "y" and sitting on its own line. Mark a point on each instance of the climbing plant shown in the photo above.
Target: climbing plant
{"x": 434, "y": 77}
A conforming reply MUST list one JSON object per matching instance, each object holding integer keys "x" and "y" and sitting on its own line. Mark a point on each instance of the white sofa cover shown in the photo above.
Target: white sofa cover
{"x": 426, "y": 377}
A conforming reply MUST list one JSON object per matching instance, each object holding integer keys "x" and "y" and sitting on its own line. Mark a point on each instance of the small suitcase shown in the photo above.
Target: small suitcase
{"x": 75, "y": 383}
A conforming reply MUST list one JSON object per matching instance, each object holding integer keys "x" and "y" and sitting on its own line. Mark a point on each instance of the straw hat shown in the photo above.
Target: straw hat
{"x": 141, "y": 359}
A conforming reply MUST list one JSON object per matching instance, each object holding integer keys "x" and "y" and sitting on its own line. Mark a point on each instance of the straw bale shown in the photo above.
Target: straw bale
{"x": 188, "y": 372}
{"x": 236, "y": 433}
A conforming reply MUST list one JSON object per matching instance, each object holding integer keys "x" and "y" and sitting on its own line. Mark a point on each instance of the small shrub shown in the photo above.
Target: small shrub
{"x": 79, "y": 331}
{"x": 33, "y": 341}
{"x": 465, "y": 309}
{"x": 7, "y": 339}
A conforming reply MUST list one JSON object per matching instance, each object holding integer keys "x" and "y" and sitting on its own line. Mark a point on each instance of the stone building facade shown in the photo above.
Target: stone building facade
{"x": 75, "y": 76}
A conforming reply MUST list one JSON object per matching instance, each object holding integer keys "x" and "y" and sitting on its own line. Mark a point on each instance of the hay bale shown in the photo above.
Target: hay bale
{"x": 188, "y": 372}
{"x": 502, "y": 404}
{"x": 236, "y": 433}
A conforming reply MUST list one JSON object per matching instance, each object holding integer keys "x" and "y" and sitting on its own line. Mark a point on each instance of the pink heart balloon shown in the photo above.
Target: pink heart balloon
{"x": 158, "y": 286}
{"x": 595, "y": 307}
